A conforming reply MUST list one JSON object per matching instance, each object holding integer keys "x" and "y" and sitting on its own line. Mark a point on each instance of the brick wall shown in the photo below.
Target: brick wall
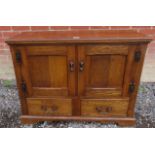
{"x": 6, "y": 67}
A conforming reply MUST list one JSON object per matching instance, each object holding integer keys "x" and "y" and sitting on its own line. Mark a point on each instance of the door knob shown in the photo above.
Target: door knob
{"x": 81, "y": 66}
{"x": 71, "y": 66}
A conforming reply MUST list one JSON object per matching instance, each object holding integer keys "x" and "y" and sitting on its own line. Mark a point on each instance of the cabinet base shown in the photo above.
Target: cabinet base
{"x": 126, "y": 121}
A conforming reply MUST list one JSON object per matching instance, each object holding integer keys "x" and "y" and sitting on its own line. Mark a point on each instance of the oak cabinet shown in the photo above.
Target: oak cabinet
{"x": 78, "y": 75}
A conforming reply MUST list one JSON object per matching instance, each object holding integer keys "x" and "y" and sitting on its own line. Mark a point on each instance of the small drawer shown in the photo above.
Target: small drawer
{"x": 104, "y": 107}
{"x": 50, "y": 107}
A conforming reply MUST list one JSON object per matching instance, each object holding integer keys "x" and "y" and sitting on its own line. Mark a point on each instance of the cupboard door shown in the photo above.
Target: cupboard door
{"x": 48, "y": 71}
{"x": 101, "y": 70}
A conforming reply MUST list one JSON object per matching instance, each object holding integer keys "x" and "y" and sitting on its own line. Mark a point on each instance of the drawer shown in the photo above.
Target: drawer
{"x": 49, "y": 107}
{"x": 104, "y": 107}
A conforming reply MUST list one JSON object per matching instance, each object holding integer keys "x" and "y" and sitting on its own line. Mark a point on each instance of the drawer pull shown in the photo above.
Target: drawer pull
{"x": 54, "y": 108}
{"x": 44, "y": 108}
{"x": 81, "y": 65}
{"x": 103, "y": 110}
{"x": 71, "y": 66}
{"x": 137, "y": 56}
{"x": 49, "y": 109}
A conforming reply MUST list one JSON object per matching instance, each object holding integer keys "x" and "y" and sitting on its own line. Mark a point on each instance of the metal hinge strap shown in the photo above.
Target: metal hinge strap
{"x": 23, "y": 87}
{"x": 137, "y": 56}
{"x": 18, "y": 57}
{"x": 131, "y": 87}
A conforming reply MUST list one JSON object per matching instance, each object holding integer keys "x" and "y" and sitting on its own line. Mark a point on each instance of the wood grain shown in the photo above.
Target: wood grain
{"x": 122, "y": 121}
{"x": 80, "y": 36}
{"x": 107, "y": 49}
{"x": 78, "y": 75}
{"x": 103, "y": 74}
{"x": 52, "y": 107}
{"x": 19, "y": 79}
{"x": 118, "y": 107}
{"x": 135, "y": 73}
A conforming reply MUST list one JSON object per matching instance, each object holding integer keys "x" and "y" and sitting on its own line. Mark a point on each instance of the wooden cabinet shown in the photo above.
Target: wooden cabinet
{"x": 78, "y": 75}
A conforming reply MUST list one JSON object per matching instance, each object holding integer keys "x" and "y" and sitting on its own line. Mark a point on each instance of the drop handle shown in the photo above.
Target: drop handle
{"x": 104, "y": 110}
{"x": 81, "y": 66}
{"x": 71, "y": 66}
{"x": 54, "y": 108}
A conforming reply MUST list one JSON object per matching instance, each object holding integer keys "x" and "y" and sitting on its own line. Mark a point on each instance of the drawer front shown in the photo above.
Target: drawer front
{"x": 104, "y": 107}
{"x": 49, "y": 107}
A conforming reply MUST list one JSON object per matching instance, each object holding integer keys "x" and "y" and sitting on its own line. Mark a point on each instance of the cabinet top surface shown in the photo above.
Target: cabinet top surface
{"x": 79, "y": 36}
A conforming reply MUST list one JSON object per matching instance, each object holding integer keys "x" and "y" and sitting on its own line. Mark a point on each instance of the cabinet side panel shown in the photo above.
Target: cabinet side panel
{"x": 135, "y": 75}
{"x": 17, "y": 68}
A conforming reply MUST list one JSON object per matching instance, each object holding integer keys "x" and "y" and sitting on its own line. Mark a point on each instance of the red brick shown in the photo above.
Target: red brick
{"x": 151, "y": 47}
{"x": 149, "y": 59}
{"x": 150, "y": 32}
{"x": 141, "y": 27}
{"x": 151, "y": 53}
{"x": 3, "y": 59}
{"x": 79, "y": 27}
{"x": 39, "y": 28}
{"x": 100, "y": 27}
{"x": 1, "y": 40}
{"x": 4, "y": 52}
{"x": 59, "y": 27}
{"x": 2, "y": 45}
{"x": 9, "y": 34}
{"x": 6, "y": 47}
{"x": 151, "y": 50}
{"x": 120, "y": 27}
{"x": 1, "y": 35}
{"x": 21, "y": 28}
{"x": 5, "y": 28}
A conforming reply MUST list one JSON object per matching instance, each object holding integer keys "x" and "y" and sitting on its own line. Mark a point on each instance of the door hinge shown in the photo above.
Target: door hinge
{"x": 23, "y": 87}
{"x": 131, "y": 87}
{"x": 18, "y": 57}
{"x": 137, "y": 56}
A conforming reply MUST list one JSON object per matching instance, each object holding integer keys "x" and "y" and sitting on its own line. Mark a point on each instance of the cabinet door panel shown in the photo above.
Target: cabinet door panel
{"x": 39, "y": 75}
{"x": 48, "y": 70}
{"x": 104, "y": 69}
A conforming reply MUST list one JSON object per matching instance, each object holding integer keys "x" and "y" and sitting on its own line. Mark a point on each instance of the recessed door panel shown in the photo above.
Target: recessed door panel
{"x": 52, "y": 71}
{"x": 103, "y": 70}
